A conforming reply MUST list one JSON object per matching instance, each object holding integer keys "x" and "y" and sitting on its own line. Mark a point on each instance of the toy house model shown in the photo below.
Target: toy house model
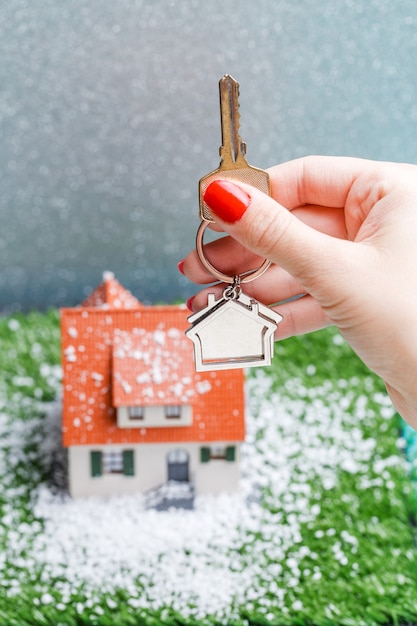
{"x": 136, "y": 415}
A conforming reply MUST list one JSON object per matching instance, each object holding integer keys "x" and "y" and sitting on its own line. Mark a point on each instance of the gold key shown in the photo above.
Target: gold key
{"x": 233, "y": 164}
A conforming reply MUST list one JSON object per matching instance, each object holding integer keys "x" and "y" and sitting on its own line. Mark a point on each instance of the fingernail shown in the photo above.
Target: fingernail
{"x": 226, "y": 200}
{"x": 181, "y": 267}
{"x": 189, "y": 304}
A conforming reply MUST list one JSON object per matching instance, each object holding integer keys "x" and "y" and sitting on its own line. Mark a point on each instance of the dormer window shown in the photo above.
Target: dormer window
{"x": 154, "y": 416}
{"x": 136, "y": 413}
{"x": 173, "y": 411}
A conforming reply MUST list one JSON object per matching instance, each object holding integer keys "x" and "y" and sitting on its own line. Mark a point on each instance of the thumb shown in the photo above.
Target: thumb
{"x": 267, "y": 228}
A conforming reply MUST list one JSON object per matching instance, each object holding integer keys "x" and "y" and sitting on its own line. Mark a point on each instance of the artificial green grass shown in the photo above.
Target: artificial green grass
{"x": 336, "y": 546}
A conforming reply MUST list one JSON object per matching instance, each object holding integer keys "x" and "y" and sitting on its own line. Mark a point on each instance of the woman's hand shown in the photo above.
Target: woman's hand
{"x": 341, "y": 231}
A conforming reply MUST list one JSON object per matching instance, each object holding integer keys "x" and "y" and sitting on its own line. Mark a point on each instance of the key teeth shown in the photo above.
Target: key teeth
{"x": 232, "y": 144}
{"x": 238, "y": 107}
{"x": 237, "y": 116}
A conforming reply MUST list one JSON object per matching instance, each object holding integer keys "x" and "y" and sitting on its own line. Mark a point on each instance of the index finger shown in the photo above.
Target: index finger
{"x": 319, "y": 180}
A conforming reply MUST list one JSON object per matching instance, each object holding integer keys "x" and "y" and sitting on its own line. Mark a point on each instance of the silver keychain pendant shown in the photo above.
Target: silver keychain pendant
{"x": 234, "y": 331}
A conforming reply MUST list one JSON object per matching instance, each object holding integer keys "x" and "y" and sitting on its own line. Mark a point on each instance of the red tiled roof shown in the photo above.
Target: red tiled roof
{"x": 92, "y": 336}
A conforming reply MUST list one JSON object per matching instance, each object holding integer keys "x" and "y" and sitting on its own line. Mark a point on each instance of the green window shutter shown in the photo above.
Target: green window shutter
{"x": 128, "y": 463}
{"x": 204, "y": 455}
{"x": 230, "y": 453}
{"x": 96, "y": 464}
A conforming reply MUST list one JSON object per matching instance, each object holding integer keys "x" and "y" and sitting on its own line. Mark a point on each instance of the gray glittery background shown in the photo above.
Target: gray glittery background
{"x": 109, "y": 116}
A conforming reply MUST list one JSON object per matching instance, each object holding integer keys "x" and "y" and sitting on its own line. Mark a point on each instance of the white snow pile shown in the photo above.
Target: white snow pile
{"x": 193, "y": 561}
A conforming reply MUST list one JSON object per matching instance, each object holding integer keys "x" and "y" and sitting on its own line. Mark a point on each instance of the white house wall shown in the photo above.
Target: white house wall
{"x": 218, "y": 476}
{"x": 151, "y": 470}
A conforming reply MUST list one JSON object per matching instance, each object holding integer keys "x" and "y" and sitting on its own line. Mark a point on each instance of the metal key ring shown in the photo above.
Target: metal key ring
{"x": 246, "y": 277}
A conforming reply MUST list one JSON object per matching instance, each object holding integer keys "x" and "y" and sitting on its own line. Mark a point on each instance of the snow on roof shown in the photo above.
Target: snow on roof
{"x": 152, "y": 367}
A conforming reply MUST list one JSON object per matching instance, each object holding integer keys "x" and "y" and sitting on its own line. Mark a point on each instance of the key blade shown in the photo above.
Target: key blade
{"x": 230, "y": 119}
{"x": 233, "y": 164}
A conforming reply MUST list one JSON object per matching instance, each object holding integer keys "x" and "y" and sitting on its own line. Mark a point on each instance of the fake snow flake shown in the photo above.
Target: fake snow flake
{"x": 157, "y": 377}
{"x": 23, "y": 381}
{"x": 13, "y": 325}
{"x": 159, "y": 337}
{"x": 46, "y": 598}
{"x": 69, "y": 353}
{"x": 126, "y": 387}
{"x": 203, "y": 387}
{"x": 338, "y": 340}
{"x": 346, "y": 536}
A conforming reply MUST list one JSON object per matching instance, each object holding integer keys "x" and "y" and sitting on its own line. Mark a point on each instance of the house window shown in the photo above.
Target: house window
{"x": 136, "y": 413}
{"x": 173, "y": 411}
{"x": 155, "y": 416}
{"x": 215, "y": 453}
{"x": 112, "y": 462}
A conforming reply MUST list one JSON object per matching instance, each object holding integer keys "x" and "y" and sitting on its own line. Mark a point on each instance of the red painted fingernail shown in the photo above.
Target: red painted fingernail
{"x": 189, "y": 304}
{"x": 226, "y": 200}
{"x": 181, "y": 267}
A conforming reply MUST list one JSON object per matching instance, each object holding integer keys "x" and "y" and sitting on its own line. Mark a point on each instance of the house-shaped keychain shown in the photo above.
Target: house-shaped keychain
{"x": 233, "y": 332}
